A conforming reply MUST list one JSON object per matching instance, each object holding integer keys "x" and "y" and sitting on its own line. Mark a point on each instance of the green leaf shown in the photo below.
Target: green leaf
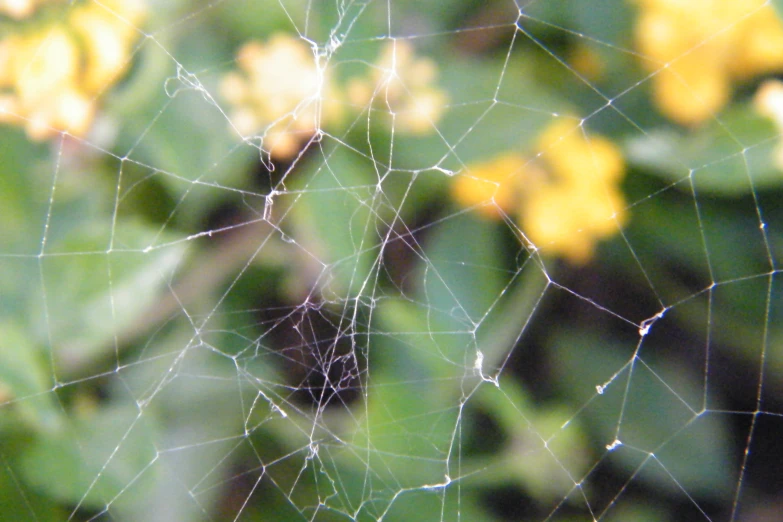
{"x": 475, "y": 127}
{"x": 460, "y": 282}
{"x": 91, "y": 294}
{"x": 24, "y": 191}
{"x": 177, "y": 133}
{"x": 545, "y": 448}
{"x": 409, "y": 427}
{"x": 468, "y": 302}
{"x": 778, "y": 5}
{"x": 412, "y": 413}
{"x": 26, "y": 380}
{"x": 463, "y": 271}
{"x": 17, "y": 503}
{"x": 91, "y": 464}
{"x": 664, "y": 441}
{"x": 334, "y": 219}
{"x": 731, "y": 157}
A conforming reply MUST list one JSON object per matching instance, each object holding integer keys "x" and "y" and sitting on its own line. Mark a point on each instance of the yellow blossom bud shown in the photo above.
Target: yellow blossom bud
{"x": 21, "y": 9}
{"x": 566, "y": 202}
{"x": 44, "y": 64}
{"x": 568, "y": 221}
{"x": 405, "y": 82}
{"x": 17, "y": 9}
{"x": 587, "y": 62}
{"x": 420, "y": 113}
{"x": 283, "y": 92}
{"x": 279, "y": 93}
{"x": 359, "y": 92}
{"x": 577, "y": 158}
{"x": 761, "y": 45}
{"x": 107, "y": 44}
{"x": 487, "y": 183}
{"x": 696, "y": 49}
{"x": 552, "y": 220}
{"x": 52, "y": 77}
{"x": 691, "y": 95}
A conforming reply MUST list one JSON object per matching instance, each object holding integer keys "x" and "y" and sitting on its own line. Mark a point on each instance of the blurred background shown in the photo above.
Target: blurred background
{"x": 456, "y": 260}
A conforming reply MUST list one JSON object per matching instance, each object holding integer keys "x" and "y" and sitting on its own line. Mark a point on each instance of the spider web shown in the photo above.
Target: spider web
{"x": 196, "y": 328}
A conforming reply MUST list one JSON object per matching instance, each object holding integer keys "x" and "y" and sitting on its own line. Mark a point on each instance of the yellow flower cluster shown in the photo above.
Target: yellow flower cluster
{"x": 20, "y": 9}
{"x": 565, "y": 203}
{"x": 50, "y": 76}
{"x": 282, "y": 91}
{"x": 404, "y": 83}
{"x": 697, "y": 48}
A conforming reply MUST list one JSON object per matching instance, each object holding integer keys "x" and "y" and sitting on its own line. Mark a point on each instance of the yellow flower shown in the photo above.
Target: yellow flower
{"x": 563, "y": 220}
{"x": 577, "y": 159}
{"x": 284, "y": 94}
{"x": 43, "y": 64}
{"x": 760, "y": 45}
{"x": 587, "y": 62}
{"x": 279, "y": 91}
{"x": 696, "y": 49}
{"x": 488, "y": 183}
{"x": 107, "y": 39}
{"x": 19, "y": 9}
{"x": 50, "y": 78}
{"x": 403, "y": 84}
{"x": 565, "y": 202}
{"x": 582, "y": 202}
{"x": 43, "y": 72}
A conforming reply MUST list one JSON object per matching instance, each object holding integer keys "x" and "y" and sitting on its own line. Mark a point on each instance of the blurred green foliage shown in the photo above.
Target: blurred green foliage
{"x": 165, "y": 355}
